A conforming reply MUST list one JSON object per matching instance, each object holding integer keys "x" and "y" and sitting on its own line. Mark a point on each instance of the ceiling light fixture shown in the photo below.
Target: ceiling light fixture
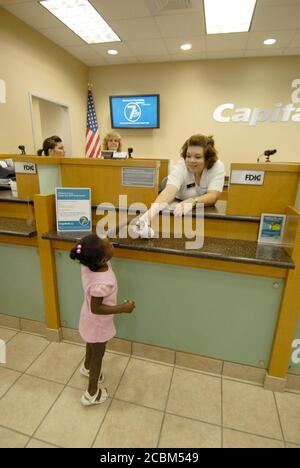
{"x": 186, "y": 46}
{"x": 83, "y": 19}
{"x": 270, "y": 41}
{"x": 228, "y": 16}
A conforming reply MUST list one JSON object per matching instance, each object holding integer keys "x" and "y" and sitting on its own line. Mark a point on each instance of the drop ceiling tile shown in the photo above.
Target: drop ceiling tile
{"x": 219, "y": 42}
{"x": 263, "y": 53}
{"x": 101, "y": 49}
{"x": 155, "y": 59}
{"x": 173, "y": 44}
{"x": 296, "y": 40}
{"x": 292, "y": 51}
{"x": 83, "y": 53}
{"x": 121, "y": 9}
{"x": 121, "y": 60}
{"x": 283, "y": 16}
{"x": 34, "y": 14}
{"x": 191, "y": 24}
{"x": 147, "y": 48}
{"x": 62, "y": 36}
{"x": 186, "y": 57}
{"x": 132, "y": 29}
{"x": 221, "y": 54}
{"x": 283, "y": 38}
{"x": 12, "y": 2}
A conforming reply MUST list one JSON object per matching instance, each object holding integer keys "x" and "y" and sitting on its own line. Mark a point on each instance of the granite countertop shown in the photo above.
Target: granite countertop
{"x": 231, "y": 250}
{"x": 17, "y": 227}
{"x": 210, "y": 212}
{"x": 6, "y": 196}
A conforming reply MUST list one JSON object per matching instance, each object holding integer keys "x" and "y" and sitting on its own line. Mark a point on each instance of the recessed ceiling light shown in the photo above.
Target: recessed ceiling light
{"x": 228, "y": 16}
{"x": 112, "y": 52}
{"x": 83, "y": 19}
{"x": 186, "y": 46}
{"x": 270, "y": 41}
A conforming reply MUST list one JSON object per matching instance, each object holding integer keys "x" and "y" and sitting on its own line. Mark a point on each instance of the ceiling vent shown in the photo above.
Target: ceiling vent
{"x": 163, "y": 6}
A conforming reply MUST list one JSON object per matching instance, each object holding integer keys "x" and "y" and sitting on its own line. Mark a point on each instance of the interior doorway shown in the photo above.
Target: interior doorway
{"x": 50, "y": 117}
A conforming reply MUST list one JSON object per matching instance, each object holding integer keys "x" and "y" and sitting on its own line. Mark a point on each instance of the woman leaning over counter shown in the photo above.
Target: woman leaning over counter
{"x": 197, "y": 178}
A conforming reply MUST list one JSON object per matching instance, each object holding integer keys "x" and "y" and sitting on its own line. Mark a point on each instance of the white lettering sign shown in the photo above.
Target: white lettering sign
{"x": 2, "y": 92}
{"x": 227, "y": 113}
{"x": 247, "y": 177}
{"x": 25, "y": 168}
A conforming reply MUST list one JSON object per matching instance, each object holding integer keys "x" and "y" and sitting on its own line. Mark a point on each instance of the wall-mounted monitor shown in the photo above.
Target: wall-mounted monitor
{"x": 141, "y": 111}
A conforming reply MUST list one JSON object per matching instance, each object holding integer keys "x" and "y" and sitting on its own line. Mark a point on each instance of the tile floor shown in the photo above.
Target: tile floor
{"x": 151, "y": 404}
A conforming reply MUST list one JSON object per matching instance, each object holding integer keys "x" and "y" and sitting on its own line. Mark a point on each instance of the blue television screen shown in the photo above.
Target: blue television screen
{"x": 135, "y": 111}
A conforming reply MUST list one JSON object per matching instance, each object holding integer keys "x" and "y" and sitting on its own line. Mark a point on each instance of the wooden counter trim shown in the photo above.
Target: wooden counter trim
{"x": 24, "y": 210}
{"x": 267, "y": 167}
{"x": 47, "y": 160}
{"x": 17, "y": 240}
{"x": 45, "y": 219}
{"x": 217, "y": 265}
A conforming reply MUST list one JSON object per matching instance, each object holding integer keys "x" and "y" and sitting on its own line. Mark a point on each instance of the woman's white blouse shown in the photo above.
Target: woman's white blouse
{"x": 184, "y": 180}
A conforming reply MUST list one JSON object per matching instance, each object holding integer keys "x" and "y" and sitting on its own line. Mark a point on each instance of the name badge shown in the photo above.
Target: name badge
{"x": 191, "y": 185}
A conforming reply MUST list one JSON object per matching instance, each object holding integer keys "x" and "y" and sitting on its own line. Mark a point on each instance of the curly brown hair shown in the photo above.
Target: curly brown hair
{"x": 207, "y": 143}
{"x": 112, "y": 135}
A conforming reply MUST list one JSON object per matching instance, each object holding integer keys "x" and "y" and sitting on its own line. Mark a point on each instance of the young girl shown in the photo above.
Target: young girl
{"x": 96, "y": 325}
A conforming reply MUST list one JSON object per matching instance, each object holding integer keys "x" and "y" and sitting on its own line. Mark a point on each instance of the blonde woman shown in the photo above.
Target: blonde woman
{"x": 112, "y": 142}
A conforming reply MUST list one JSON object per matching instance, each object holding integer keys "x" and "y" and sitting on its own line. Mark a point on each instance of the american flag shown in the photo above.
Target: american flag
{"x": 92, "y": 148}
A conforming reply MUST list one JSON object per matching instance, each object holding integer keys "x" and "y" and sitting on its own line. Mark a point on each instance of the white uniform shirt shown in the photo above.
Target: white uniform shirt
{"x": 184, "y": 180}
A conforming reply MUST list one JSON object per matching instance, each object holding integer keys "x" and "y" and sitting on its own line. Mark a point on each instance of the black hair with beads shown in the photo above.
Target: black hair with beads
{"x": 89, "y": 251}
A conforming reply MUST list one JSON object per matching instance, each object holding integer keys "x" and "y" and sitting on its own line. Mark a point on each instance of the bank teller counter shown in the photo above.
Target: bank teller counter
{"x": 106, "y": 178}
{"x": 230, "y": 306}
{"x": 23, "y": 257}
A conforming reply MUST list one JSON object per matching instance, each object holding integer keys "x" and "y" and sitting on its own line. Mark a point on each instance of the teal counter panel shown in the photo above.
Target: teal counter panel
{"x": 20, "y": 284}
{"x": 221, "y": 315}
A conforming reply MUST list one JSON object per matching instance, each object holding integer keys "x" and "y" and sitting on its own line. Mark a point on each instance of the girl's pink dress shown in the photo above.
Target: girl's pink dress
{"x": 97, "y": 328}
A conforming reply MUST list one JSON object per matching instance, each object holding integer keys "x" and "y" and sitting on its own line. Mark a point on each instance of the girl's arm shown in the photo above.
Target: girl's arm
{"x": 98, "y": 308}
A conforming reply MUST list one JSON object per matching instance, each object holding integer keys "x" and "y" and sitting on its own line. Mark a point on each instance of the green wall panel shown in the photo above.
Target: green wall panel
{"x": 20, "y": 282}
{"x": 217, "y": 314}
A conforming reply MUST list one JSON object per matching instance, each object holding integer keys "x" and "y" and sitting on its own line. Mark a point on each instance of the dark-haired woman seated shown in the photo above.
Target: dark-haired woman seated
{"x": 52, "y": 146}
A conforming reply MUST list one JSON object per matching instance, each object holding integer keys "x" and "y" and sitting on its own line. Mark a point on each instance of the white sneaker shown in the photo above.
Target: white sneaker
{"x": 88, "y": 400}
{"x": 86, "y": 373}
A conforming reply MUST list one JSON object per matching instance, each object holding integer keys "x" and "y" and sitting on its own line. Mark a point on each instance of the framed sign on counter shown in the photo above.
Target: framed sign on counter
{"x": 73, "y": 209}
{"x": 271, "y": 229}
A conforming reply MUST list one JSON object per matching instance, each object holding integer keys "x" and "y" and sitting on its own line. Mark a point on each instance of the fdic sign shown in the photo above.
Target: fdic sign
{"x": 25, "y": 168}
{"x": 247, "y": 177}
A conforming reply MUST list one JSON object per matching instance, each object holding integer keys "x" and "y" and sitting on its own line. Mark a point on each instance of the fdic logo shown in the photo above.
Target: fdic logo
{"x": 25, "y": 168}
{"x": 253, "y": 178}
{"x": 2, "y": 352}
{"x": 247, "y": 177}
